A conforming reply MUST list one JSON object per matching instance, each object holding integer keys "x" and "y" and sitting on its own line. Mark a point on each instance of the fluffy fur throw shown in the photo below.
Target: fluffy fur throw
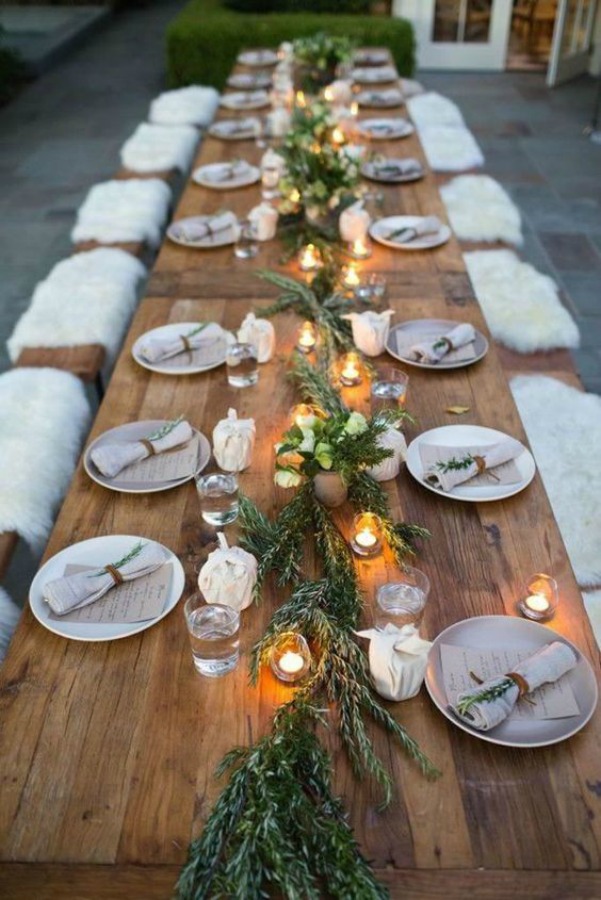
{"x": 194, "y": 105}
{"x": 411, "y": 88}
{"x": 87, "y": 299}
{"x": 46, "y": 417}
{"x": 521, "y": 306}
{"x": 592, "y": 603}
{"x": 450, "y": 148}
{"x": 433, "y": 109}
{"x": 480, "y": 210}
{"x": 564, "y": 430}
{"x": 9, "y": 616}
{"x": 123, "y": 211}
{"x": 160, "y": 148}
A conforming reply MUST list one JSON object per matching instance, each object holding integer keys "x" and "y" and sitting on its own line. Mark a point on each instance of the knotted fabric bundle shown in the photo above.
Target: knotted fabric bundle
{"x": 370, "y": 330}
{"x": 228, "y": 576}
{"x": 397, "y": 660}
{"x": 233, "y": 442}
{"x": 260, "y": 333}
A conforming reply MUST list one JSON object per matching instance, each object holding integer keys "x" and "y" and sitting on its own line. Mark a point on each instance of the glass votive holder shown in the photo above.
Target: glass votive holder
{"x": 350, "y": 369}
{"x": 388, "y": 389}
{"x": 371, "y": 289}
{"x": 303, "y": 414}
{"x": 366, "y": 536}
{"x": 402, "y": 602}
{"x": 350, "y": 277}
{"x": 290, "y": 657}
{"x": 218, "y": 495}
{"x": 246, "y": 245}
{"x": 307, "y": 337}
{"x": 309, "y": 258}
{"x": 241, "y": 365}
{"x": 270, "y": 180}
{"x": 360, "y": 249}
{"x": 541, "y": 596}
{"x": 214, "y": 632}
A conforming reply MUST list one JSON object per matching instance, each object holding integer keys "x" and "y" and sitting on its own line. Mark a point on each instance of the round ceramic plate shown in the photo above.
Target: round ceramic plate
{"x": 258, "y": 58}
{"x": 417, "y": 330}
{"x": 371, "y": 57}
{"x": 375, "y": 75}
{"x": 493, "y": 633}
{"x": 134, "y": 431}
{"x": 218, "y": 176}
{"x": 175, "y": 329}
{"x": 383, "y": 227}
{"x": 245, "y": 100}
{"x": 176, "y": 233}
{"x": 235, "y": 129}
{"x": 376, "y": 171}
{"x": 462, "y": 436}
{"x": 97, "y": 552}
{"x": 249, "y": 81}
{"x": 380, "y": 99}
{"x": 385, "y": 129}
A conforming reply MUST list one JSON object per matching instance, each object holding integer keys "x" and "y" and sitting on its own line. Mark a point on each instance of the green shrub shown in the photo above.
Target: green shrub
{"x": 303, "y": 6}
{"x": 204, "y": 40}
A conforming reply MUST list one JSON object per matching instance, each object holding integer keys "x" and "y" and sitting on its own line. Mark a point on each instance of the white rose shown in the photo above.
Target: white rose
{"x": 287, "y": 478}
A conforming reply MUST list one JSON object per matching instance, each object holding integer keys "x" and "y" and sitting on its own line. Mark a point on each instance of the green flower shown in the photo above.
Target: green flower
{"x": 356, "y": 424}
{"x": 307, "y": 444}
{"x": 287, "y": 477}
{"x": 324, "y": 454}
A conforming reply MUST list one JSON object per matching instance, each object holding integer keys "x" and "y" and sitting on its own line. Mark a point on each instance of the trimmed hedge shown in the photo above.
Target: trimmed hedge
{"x": 304, "y": 6}
{"x": 204, "y": 40}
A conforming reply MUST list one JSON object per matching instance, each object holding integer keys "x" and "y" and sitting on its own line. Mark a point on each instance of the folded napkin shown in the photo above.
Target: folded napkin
{"x": 463, "y": 465}
{"x": 73, "y": 591}
{"x": 110, "y": 459}
{"x": 228, "y": 171}
{"x": 239, "y": 101}
{"x": 194, "y": 231}
{"x": 397, "y": 168}
{"x": 397, "y": 660}
{"x": 408, "y": 233}
{"x": 390, "y": 96}
{"x": 158, "y": 348}
{"x": 487, "y": 705}
{"x": 433, "y": 351}
{"x": 370, "y": 330}
{"x": 237, "y": 126}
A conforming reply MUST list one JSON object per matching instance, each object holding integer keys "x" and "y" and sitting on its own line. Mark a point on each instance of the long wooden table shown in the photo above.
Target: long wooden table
{"x": 108, "y": 749}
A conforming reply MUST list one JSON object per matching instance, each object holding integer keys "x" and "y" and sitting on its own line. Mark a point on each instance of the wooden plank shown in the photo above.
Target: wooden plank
{"x": 8, "y": 544}
{"x": 85, "y": 361}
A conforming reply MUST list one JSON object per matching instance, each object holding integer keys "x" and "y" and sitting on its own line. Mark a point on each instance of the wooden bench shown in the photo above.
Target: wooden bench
{"x": 84, "y": 361}
{"x": 8, "y": 543}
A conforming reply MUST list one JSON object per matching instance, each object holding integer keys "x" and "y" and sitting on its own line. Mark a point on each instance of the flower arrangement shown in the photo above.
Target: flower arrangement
{"x": 322, "y": 51}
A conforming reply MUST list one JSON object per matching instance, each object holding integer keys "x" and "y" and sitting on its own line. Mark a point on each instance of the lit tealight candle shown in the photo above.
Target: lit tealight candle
{"x": 309, "y": 258}
{"x": 541, "y": 597}
{"x": 537, "y": 603}
{"x": 360, "y": 249}
{"x": 350, "y": 370}
{"x": 328, "y": 95}
{"x": 338, "y": 136}
{"x": 350, "y": 277}
{"x": 307, "y": 337}
{"x": 354, "y": 109}
{"x": 290, "y": 657}
{"x": 291, "y": 663}
{"x": 366, "y": 537}
{"x": 303, "y": 414}
{"x": 301, "y": 100}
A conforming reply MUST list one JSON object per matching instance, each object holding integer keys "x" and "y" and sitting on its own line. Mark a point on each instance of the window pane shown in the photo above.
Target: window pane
{"x": 477, "y": 22}
{"x": 447, "y": 15}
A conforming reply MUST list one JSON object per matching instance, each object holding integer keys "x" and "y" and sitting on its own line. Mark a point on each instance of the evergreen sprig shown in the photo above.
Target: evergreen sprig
{"x": 486, "y": 695}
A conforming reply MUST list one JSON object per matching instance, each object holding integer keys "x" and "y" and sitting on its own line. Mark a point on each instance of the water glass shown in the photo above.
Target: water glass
{"x": 241, "y": 364}
{"x": 214, "y": 632}
{"x": 371, "y": 289}
{"x": 388, "y": 389}
{"x": 246, "y": 245}
{"x": 218, "y": 494}
{"x": 402, "y": 602}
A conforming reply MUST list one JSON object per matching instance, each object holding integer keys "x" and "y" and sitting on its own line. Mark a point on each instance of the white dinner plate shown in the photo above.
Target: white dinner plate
{"x": 382, "y": 227}
{"x": 245, "y": 100}
{"x": 174, "y": 329}
{"x": 493, "y": 632}
{"x": 388, "y": 129}
{"x": 374, "y": 171}
{"x": 263, "y": 57}
{"x": 380, "y": 99}
{"x": 424, "y": 329}
{"x": 98, "y": 552}
{"x": 212, "y": 175}
{"x": 249, "y": 81}
{"x": 469, "y": 436}
{"x": 375, "y": 75}
{"x": 209, "y": 242}
{"x": 371, "y": 57}
{"x": 236, "y": 129}
{"x": 134, "y": 431}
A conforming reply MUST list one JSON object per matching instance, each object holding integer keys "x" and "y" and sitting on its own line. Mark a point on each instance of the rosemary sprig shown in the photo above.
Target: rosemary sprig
{"x": 487, "y": 695}
{"x": 456, "y": 465}
{"x": 197, "y": 330}
{"x": 164, "y": 430}
{"x": 135, "y": 551}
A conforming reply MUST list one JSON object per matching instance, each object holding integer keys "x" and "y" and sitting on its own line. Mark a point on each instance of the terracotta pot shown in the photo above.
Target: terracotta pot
{"x": 329, "y": 489}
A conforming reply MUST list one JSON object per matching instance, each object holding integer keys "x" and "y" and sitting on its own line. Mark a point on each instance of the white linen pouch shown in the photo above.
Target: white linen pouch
{"x": 261, "y": 334}
{"x": 233, "y": 442}
{"x": 229, "y": 576}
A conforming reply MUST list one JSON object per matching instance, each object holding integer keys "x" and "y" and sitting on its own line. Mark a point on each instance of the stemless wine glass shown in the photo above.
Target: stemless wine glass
{"x": 214, "y": 632}
{"x": 388, "y": 389}
{"x": 246, "y": 246}
{"x": 402, "y": 602}
{"x": 218, "y": 495}
{"x": 241, "y": 364}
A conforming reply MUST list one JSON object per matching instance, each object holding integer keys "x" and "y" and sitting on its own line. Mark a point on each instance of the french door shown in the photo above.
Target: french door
{"x": 572, "y": 37}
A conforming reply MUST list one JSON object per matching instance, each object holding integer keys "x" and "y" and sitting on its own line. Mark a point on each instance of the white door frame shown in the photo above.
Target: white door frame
{"x": 438, "y": 55}
{"x": 575, "y": 62}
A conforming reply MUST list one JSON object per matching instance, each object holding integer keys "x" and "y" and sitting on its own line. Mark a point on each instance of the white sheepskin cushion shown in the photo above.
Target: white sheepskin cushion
{"x": 480, "y": 210}
{"x": 160, "y": 148}
{"x": 411, "y": 88}
{"x": 432, "y": 108}
{"x": 564, "y": 430}
{"x": 194, "y": 105}
{"x": 450, "y": 148}
{"x": 9, "y": 616}
{"x": 521, "y": 305}
{"x": 131, "y": 210}
{"x": 102, "y": 264}
{"x": 592, "y": 604}
{"x": 49, "y": 418}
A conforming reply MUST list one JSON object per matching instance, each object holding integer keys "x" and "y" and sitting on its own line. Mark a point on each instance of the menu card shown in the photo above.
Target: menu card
{"x": 405, "y": 340}
{"x": 171, "y": 465}
{"x": 134, "y": 601}
{"x": 506, "y": 473}
{"x": 551, "y": 701}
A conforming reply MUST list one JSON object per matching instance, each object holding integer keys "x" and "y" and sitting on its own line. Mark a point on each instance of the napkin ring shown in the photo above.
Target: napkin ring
{"x": 447, "y": 343}
{"x": 148, "y": 445}
{"x": 480, "y": 463}
{"x": 182, "y": 337}
{"x": 115, "y": 574}
{"x": 523, "y": 686}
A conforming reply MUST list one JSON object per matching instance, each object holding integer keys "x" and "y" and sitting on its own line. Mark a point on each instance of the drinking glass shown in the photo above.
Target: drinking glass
{"x": 246, "y": 246}
{"x": 214, "y": 632}
{"x": 241, "y": 364}
{"x": 371, "y": 289}
{"x": 388, "y": 389}
{"x": 218, "y": 494}
{"x": 402, "y": 602}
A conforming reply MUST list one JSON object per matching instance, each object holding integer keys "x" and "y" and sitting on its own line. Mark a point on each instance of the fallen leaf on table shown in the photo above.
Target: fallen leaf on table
{"x": 457, "y": 410}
